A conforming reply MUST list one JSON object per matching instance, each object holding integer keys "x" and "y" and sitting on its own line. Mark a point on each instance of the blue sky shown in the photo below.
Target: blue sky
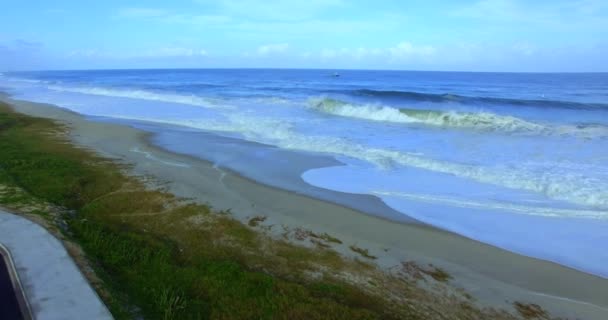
{"x": 469, "y": 35}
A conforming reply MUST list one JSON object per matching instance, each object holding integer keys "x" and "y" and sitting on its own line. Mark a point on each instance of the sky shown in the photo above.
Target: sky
{"x": 458, "y": 35}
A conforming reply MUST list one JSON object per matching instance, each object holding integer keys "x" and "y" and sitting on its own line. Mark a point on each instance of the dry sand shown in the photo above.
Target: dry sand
{"x": 495, "y": 277}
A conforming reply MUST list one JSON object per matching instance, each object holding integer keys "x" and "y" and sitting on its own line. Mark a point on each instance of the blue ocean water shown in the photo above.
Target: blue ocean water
{"x": 519, "y": 161}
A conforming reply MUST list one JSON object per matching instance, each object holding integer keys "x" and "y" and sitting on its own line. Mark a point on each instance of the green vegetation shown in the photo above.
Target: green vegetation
{"x": 329, "y": 238}
{"x": 362, "y": 252}
{"x": 438, "y": 274}
{"x": 255, "y": 221}
{"x": 417, "y": 272}
{"x": 530, "y": 311}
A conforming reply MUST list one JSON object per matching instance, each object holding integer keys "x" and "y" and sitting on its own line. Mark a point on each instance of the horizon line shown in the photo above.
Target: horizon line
{"x": 288, "y": 68}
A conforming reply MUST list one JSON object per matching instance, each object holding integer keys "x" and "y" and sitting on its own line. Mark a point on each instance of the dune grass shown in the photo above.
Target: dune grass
{"x": 362, "y": 252}
{"x": 530, "y": 311}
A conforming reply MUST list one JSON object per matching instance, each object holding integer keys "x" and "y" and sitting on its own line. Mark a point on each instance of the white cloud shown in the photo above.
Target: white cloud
{"x": 171, "y": 17}
{"x": 257, "y": 20}
{"x": 407, "y": 50}
{"x": 162, "y": 52}
{"x": 465, "y": 56}
{"x": 401, "y": 51}
{"x": 272, "y": 48}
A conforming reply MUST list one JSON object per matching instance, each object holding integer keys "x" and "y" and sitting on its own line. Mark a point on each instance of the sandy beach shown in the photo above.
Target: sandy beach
{"x": 494, "y": 277}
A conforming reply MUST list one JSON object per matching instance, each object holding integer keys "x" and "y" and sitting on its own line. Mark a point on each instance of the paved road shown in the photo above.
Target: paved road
{"x": 53, "y": 285}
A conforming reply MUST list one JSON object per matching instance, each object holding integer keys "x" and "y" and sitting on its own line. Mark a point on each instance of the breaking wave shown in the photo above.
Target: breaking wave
{"x": 483, "y": 121}
{"x": 474, "y": 120}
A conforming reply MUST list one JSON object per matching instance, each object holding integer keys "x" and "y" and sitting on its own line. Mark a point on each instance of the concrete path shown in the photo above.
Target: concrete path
{"x": 53, "y": 285}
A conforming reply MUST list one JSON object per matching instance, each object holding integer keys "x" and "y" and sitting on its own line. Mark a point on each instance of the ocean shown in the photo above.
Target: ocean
{"x": 518, "y": 161}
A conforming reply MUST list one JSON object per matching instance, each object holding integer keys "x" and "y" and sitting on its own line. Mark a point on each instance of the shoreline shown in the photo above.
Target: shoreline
{"x": 368, "y": 204}
{"x": 491, "y": 274}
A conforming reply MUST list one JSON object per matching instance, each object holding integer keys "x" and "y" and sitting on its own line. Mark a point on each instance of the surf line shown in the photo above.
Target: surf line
{"x": 151, "y": 157}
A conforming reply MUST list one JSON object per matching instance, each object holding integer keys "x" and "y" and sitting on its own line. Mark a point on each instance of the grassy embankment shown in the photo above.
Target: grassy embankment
{"x": 163, "y": 258}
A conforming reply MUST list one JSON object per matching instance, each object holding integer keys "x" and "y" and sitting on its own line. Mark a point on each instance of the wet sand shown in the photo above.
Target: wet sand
{"x": 495, "y": 277}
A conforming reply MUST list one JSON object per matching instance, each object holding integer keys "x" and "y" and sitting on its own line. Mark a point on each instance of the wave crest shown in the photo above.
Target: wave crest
{"x": 473, "y": 120}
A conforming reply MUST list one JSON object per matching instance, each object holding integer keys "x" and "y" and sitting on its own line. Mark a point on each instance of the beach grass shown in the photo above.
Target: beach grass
{"x": 362, "y": 252}
{"x": 160, "y": 257}
{"x": 530, "y": 310}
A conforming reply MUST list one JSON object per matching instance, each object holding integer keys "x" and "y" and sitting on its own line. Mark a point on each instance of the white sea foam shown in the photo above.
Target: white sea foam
{"x": 564, "y": 186}
{"x": 31, "y": 81}
{"x": 145, "y": 95}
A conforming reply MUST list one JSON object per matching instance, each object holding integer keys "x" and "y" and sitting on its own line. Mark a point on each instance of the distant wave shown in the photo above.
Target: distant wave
{"x": 9, "y": 78}
{"x": 144, "y": 95}
{"x": 438, "y": 98}
{"x": 477, "y": 120}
